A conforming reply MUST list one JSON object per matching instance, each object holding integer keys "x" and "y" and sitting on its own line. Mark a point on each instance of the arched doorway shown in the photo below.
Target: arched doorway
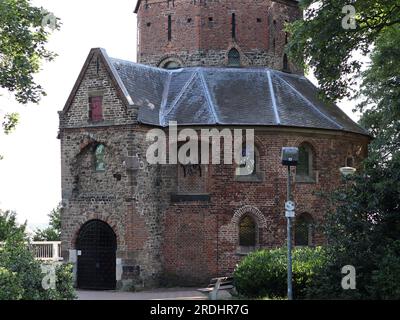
{"x": 97, "y": 246}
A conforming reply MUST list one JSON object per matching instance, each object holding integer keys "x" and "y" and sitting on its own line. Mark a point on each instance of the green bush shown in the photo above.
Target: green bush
{"x": 21, "y": 275}
{"x": 386, "y": 280}
{"x": 264, "y": 273}
{"x": 64, "y": 283}
{"x": 10, "y": 286}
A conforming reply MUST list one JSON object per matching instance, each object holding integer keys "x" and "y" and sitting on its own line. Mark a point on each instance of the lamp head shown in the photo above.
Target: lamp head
{"x": 347, "y": 171}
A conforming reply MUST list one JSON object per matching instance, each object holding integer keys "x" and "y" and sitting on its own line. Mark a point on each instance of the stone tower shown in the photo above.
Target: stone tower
{"x": 183, "y": 33}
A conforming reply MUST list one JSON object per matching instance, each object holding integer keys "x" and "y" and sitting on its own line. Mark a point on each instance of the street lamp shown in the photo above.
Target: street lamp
{"x": 347, "y": 171}
{"x": 290, "y": 157}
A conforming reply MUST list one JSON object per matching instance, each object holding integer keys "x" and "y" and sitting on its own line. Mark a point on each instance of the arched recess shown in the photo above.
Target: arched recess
{"x": 304, "y": 230}
{"x": 96, "y": 245}
{"x": 306, "y": 167}
{"x": 234, "y": 59}
{"x": 170, "y": 63}
{"x": 248, "y": 223}
{"x": 248, "y": 233}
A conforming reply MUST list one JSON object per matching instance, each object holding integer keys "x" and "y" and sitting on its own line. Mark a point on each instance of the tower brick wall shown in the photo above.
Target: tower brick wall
{"x": 201, "y": 31}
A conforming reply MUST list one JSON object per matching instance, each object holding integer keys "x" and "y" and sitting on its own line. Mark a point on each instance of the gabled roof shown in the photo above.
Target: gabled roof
{"x": 113, "y": 74}
{"x": 221, "y": 96}
{"x": 137, "y": 6}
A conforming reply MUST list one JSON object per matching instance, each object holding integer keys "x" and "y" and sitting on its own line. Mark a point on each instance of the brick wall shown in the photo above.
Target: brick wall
{"x": 202, "y": 31}
{"x": 201, "y": 238}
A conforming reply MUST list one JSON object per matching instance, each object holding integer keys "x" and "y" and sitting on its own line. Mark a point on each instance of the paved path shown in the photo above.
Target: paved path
{"x": 157, "y": 294}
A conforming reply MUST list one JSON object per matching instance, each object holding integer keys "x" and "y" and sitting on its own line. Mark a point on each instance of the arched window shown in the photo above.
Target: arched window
{"x": 234, "y": 58}
{"x": 99, "y": 153}
{"x": 247, "y": 232}
{"x": 304, "y": 170}
{"x": 172, "y": 65}
{"x": 303, "y": 230}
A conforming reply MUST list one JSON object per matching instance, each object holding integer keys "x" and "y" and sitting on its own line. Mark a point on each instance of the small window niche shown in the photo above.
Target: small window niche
{"x": 303, "y": 230}
{"x": 96, "y": 108}
{"x": 169, "y": 28}
{"x": 248, "y": 235}
{"x": 305, "y": 167}
{"x": 99, "y": 157}
{"x": 191, "y": 178}
{"x": 234, "y": 58}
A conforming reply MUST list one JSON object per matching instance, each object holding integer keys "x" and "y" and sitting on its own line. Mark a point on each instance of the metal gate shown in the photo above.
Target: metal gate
{"x": 96, "y": 245}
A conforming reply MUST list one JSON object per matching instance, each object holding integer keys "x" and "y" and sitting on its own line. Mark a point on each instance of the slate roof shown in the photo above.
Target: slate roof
{"x": 227, "y": 96}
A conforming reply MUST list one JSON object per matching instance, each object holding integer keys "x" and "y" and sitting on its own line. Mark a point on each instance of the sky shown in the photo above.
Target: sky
{"x": 30, "y": 181}
{"x": 30, "y": 174}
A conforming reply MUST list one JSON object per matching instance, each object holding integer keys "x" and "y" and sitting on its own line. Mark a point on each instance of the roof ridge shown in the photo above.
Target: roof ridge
{"x": 164, "y": 101}
{"x": 273, "y": 98}
{"x": 117, "y": 76}
{"x": 208, "y": 96}
{"x": 180, "y": 94}
{"x": 310, "y": 103}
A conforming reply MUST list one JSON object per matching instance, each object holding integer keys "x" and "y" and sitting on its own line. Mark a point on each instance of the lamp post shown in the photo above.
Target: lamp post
{"x": 290, "y": 157}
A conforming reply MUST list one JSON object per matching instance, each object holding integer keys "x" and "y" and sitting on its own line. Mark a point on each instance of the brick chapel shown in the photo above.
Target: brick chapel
{"x": 204, "y": 64}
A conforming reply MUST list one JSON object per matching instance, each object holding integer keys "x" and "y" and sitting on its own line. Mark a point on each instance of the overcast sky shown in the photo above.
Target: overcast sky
{"x": 30, "y": 173}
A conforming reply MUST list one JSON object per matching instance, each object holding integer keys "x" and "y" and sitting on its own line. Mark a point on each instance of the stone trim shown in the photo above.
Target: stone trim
{"x": 190, "y": 197}
{"x": 254, "y": 211}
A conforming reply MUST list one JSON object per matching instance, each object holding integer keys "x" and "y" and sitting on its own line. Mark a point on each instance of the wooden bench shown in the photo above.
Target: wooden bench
{"x": 218, "y": 284}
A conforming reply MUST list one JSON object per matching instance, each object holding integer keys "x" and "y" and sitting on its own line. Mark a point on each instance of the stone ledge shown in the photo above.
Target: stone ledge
{"x": 190, "y": 197}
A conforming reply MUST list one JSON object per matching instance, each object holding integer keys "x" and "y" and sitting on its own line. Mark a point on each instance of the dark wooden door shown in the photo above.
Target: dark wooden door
{"x": 97, "y": 247}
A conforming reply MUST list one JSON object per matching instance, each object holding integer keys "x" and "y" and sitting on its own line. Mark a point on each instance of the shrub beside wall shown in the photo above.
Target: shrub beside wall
{"x": 264, "y": 273}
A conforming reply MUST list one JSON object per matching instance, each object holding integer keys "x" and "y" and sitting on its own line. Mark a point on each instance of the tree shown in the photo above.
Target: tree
{"x": 363, "y": 225}
{"x": 9, "y": 226}
{"x": 363, "y": 230}
{"x": 320, "y": 41}
{"x": 53, "y": 232}
{"x": 380, "y": 94}
{"x": 21, "y": 276}
{"x": 24, "y": 32}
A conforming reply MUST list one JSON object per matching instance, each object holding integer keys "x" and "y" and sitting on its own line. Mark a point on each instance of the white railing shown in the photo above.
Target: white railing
{"x": 46, "y": 250}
